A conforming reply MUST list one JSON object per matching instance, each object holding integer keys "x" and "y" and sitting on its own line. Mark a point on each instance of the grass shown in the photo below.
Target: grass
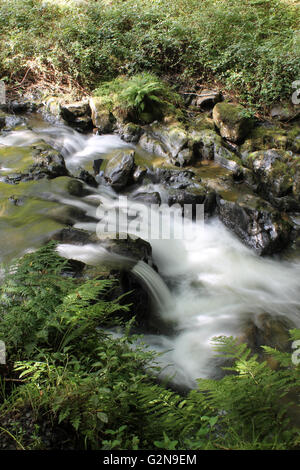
{"x": 251, "y": 48}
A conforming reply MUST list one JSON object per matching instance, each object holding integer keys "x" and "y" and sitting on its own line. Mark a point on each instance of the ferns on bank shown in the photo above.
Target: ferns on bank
{"x": 101, "y": 388}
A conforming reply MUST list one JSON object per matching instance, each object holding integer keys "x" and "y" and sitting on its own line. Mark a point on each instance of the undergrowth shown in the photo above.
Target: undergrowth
{"x": 94, "y": 390}
{"x": 251, "y": 47}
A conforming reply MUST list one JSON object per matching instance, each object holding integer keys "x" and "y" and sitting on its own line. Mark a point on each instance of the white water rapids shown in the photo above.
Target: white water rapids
{"x": 216, "y": 284}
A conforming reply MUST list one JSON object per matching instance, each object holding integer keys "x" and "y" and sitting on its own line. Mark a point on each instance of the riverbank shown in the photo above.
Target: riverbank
{"x": 250, "y": 50}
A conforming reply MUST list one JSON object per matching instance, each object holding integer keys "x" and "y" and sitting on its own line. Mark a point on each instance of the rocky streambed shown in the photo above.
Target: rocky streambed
{"x": 60, "y": 162}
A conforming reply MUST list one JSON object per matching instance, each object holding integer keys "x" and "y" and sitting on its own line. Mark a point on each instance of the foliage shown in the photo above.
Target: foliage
{"x": 138, "y": 94}
{"x": 98, "y": 390}
{"x": 250, "y": 47}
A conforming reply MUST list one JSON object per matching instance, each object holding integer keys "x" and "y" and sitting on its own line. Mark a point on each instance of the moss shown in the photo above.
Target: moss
{"x": 262, "y": 138}
{"x": 230, "y": 113}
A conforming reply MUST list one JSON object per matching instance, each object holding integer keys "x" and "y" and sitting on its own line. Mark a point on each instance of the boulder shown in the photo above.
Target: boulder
{"x": 255, "y": 222}
{"x": 102, "y": 117}
{"x": 119, "y": 169}
{"x": 275, "y": 175}
{"x": 231, "y": 120}
{"x": 70, "y": 112}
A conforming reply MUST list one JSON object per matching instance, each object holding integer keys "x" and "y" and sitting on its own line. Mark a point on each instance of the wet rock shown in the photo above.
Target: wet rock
{"x": 178, "y": 179}
{"x": 130, "y": 247}
{"x": 266, "y": 330}
{"x": 119, "y": 169}
{"x": 231, "y": 120}
{"x": 53, "y": 105}
{"x": 77, "y": 115}
{"x": 102, "y": 118}
{"x": 204, "y": 143}
{"x": 33, "y": 162}
{"x": 139, "y": 173}
{"x": 85, "y": 176}
{"x": 147, "y": 198}
{"x": 67, "y": 215}
{"x": 256, "y": 223}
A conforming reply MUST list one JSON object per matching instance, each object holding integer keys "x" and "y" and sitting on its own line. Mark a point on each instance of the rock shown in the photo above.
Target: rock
{"x": 178, "y": 179}
{"x": 256, "y": 223}
{"x": 131, "y": 132}
{"x": 2, "y": 119}
{"x": 22, "y": 106}
{"x": 102, "y": 117}
{"x": 276, "y": 175}
{"x": 204, "y": 143}
{"x": 189, "y": 195}
{"x": 70, "y": 112}
{"x": 266, "y": 330}
{"x": 132, "y": 247}
{"x": 77, "y": 115}
{"x": 13, "y": 122}
{"x": 33, "y": 162}
{"x": 285, "y": 111}
{"x": 147, "y": 198}
{"x": 85, "y": 176}
{"x": 173, "y": 137}
{"x": 52, "y": 105}
{"x": 231, "y": 120}
{"x": 206, "y": 99}
{"x": 153, "y": 145}
{"x": 264, "y": 137}
{"x": 228, "y": 160}
{"x": 67, "y": 215}
{"x": 139, "y": 173}
{"x": 119, "y": 169}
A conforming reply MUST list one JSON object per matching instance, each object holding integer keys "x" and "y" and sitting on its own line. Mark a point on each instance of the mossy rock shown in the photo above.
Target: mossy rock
{"x": 232, "y": 121}
{"x": 102, "y": 117}
{"x": 31, "y": 162}
{"x": 276, "y": 172}
{"x": 277, "y": 137}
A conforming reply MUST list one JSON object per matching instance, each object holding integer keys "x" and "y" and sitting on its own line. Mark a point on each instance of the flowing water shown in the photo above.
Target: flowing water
{"x": 209, "y": 283}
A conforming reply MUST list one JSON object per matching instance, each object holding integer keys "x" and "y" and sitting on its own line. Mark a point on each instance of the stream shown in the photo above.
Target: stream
{"x": 209, "y": 283}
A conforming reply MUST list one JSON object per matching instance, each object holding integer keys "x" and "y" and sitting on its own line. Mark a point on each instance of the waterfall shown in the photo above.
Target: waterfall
{"x": 155, "y": 286}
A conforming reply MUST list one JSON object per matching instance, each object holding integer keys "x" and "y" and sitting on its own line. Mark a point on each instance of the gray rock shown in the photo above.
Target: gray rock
{"x": 256, "y": 223}
{"x": 147, "y": 198}
{"x": 231, "y": 120}
{"x": 119, "y": 169}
